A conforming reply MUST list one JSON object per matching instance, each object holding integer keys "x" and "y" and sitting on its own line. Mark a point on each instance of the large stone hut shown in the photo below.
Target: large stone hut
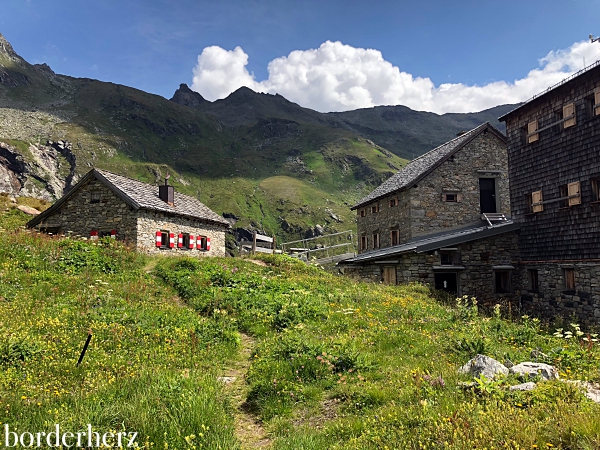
{"x": 444, "y": 220}
{"x": 156, "y": 219}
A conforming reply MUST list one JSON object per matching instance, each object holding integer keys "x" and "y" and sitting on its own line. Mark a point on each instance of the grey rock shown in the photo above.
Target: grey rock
{"x": 592, "y": 391}
{"x": 523, "y": 387}
{"x": 28, "y": 210}
{"x": 527, "y": 370}
{"x": 226, "y": 380}
{"x": 483, "y": 365}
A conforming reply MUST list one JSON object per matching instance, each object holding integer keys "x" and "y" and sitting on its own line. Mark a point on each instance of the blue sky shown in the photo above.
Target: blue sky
{"x": 154, "y": 45}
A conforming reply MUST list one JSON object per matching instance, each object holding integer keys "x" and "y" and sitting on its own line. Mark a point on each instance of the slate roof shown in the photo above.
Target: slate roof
{"x": 436, "y": 241}
{"x": 419, "y": 167}
{"x": 140, "y": 195}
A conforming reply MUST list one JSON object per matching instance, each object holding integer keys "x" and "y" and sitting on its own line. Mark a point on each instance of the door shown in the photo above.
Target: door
{"x": 487, "y": 195}
{"x": 446, "y": 281}
{"x": 389, "y": 275}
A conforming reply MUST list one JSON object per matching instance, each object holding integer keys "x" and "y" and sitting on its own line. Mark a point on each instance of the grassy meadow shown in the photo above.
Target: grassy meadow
{"x": 334, "y": 364}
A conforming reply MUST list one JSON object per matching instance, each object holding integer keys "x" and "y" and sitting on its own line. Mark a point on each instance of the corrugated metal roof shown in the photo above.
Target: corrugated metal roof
{"x": 424, "y": 164}
{"x": 140, "y": 195}
{"x": 435, "y": 241}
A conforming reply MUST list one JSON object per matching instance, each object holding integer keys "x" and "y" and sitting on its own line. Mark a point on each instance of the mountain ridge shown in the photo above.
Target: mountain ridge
{"x": 266, "y": 162}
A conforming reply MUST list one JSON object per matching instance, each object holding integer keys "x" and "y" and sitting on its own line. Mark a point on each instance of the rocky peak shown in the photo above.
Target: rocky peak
{"x": 186, "y": 97}
{"x": 6, "y": 49}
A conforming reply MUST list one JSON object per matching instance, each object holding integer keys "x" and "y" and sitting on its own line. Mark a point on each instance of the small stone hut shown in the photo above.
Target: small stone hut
{"x": 156, "y": 219}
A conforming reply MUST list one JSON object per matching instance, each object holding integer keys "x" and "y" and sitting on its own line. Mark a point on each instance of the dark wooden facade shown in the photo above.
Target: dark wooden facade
{"x": 547, "y": 152}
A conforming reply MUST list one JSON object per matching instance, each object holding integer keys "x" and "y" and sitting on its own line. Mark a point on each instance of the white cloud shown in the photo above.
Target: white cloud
{"x": 338, "y": 77}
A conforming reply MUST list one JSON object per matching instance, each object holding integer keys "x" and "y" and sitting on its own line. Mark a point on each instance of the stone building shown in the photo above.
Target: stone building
{"x": 444, "y": 220}
{"x": 155, "y": 219}
{"x": 554, "y": 168}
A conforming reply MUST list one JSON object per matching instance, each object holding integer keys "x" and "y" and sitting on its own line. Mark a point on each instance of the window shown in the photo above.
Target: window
{"x": 363, "y": 242}
{"x": 590, "y": 110}
{"x": 449, "y": 257}
{"x": 595, "y": 189}
{"x": 502, "y": 281}
{"x": 393, "y": 202}
{"x": 535, "y": 202}
{"x": 95, "y": 197}
{"x": 376, "y": 240}
{"x": 185, "y": 241}
{"x": 532, "y": 135}
{"x": 202, "y": 243}
{"x": 395, "y": 237}
{"x": 569, "y": 275}
{"x": 564, "y": 195}
{"x": 558, "y": 117}
{"x": 532, "y": 279}
{"x": 568, "y": 113}
{"x": 164, "y": 239}
{"x": 107, "y": 233}
{"x": 597, "y": 101}
{"x": 363, "y": 213}
{"x": 449, "y": 197}
{"x": 375, "y": 208}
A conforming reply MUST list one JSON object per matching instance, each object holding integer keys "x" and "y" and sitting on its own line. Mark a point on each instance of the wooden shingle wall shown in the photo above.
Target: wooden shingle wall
{"x": 562, "y": 153}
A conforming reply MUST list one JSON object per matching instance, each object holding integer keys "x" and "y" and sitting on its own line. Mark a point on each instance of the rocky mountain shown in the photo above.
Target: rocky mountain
{"x": 399, "y": 129}
{"x": 264, "y": 162}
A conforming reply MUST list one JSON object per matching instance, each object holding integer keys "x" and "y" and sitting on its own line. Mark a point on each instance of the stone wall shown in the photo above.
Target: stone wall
{"x": 150, "y": 222}
{"x": 476, "y": 266}
{"x": 422, "y": 210}
{"x": 79, "y": 216}
{"x": 552, "y": 299}
{"x": 382, "y": 222}
{"x": 459, "y": 174}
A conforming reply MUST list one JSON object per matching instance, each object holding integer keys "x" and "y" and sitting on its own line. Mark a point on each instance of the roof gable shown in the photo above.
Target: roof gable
{"x": 420, "y": 167}
{"x": 138, "y": 195}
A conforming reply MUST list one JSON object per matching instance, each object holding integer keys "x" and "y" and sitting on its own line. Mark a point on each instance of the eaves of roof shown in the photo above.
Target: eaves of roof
{"x": 551, "y": 88}
{"x": 435, "y": 241}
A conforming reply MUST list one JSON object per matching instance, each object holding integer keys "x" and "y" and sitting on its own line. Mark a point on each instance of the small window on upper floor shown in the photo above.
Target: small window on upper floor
{"x": 558, "y": 117}
{"x": 395, "y": 237}
{"x": 376, "y": 240}
{"x": 449, "y": 257}
{"x": 393, "y": 202}
{"x": 597, "y": 101}
{"x": 375, "y": 208}
{"x": 363, "y": 213}
{"x": 595, "y": 189}
{"x": 95, "y": 197}
{"x": 363, "y": 242}
{"x": 452, "y": 198}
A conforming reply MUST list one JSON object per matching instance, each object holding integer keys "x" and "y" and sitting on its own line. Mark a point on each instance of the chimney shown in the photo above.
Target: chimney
{"x": 167, "y": 193}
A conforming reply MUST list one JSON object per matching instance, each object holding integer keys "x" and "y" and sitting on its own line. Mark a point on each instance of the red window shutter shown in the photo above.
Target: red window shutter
{"x": 191, "y": 242}
{"x": 158, "y": 238}
{"x": 171, "y": 240}
{"x": 207, "y": 244}
{"x": 180, "y": 240}
{"x": 94, "y": 234}
{"x": 198, "y": 242}
{"x": 113, "y": 234}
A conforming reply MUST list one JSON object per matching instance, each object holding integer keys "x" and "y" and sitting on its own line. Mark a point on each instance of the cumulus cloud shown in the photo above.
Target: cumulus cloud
{"x": 338, "y": 77}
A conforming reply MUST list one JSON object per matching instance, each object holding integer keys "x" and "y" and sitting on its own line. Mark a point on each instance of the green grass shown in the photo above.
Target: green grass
{"x": 338, "y": 364}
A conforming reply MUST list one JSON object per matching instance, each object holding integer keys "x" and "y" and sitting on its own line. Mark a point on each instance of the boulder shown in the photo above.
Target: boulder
{"x": 530, "y": 385}
{"x": 527, "y": 370}
{"x": 28, "y": 210}
{"x": 592, "y": 391}
{"x": 483, "y": 365}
